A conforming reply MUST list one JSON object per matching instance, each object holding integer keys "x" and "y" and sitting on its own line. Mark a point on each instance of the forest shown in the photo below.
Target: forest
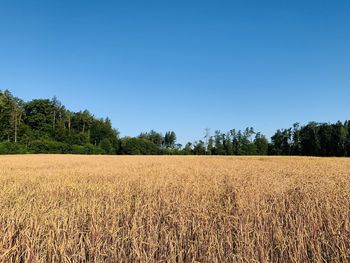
{"x": 46, "y": 126}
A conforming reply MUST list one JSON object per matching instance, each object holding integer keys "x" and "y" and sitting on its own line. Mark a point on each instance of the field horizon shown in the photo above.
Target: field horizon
{"x": 175, "y": 131}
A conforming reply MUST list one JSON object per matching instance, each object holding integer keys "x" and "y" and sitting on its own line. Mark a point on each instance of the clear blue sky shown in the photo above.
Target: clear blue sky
{"x": 182, "y": 65}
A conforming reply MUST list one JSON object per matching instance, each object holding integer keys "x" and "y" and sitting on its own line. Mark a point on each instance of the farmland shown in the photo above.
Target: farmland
{"x": 65, "y": 208}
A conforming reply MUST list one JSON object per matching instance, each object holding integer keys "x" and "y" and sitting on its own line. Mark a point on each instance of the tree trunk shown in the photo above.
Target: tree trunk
{"x": 54, "y": 119}
{"x": 69, "y": 124}
{"x": 17, "y": 115}
{"x": 15, "y": 131}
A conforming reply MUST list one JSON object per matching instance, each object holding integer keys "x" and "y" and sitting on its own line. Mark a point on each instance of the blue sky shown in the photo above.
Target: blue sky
{"x": 182, "y": 65}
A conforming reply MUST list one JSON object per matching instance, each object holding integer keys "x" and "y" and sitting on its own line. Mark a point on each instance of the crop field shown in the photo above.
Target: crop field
{"x": 64, "y": 208}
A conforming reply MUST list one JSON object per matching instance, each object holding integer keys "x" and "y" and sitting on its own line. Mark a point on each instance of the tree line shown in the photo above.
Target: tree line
{"x": 46, "y": 126}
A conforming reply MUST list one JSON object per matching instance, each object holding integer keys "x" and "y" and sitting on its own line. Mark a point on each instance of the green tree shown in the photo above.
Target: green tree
{"x": 188, "y": 149}
{"x": 309, "y": 140}
{"x": 199, "y": 148}
{"x": 137, "y": 146}
{"x": 39, "y": 117}
{"x": 153, "y": 136}
{"x": 11, "y": 116}
{"x": 296, "y": 139}
{"x": 228, "y": 144}
{"x": 170, "y": 140}
{"x": 261, "y": 144}
{"x": 106, "y": 145}
{"x": 218, "y": 143}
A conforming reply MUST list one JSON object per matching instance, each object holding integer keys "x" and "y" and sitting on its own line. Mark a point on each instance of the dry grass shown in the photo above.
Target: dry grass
{"x": 179, "y": 209}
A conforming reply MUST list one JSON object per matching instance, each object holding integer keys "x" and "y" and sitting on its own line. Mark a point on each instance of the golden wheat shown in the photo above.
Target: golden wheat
{"x": 56, "y": 208}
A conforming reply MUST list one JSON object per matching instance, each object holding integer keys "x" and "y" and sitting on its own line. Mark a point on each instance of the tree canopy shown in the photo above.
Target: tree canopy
{"x": 46, "y": 126}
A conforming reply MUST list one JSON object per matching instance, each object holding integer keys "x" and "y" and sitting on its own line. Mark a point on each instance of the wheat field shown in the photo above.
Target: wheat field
{"x": 62, "y": 208}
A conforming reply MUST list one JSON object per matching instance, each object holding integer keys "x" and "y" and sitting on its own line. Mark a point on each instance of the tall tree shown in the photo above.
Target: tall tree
{"x": 261, "y": 144}
{"x": 199, "y": 148}
{"x": 309, "y": 140}
{"x": 170, "y": 140}
{"x": 296, "y": 139}
{"x": 218, "y": 143}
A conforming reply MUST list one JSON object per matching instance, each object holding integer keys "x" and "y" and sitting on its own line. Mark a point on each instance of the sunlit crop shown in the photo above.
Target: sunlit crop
{"x": 61, "y": 208}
